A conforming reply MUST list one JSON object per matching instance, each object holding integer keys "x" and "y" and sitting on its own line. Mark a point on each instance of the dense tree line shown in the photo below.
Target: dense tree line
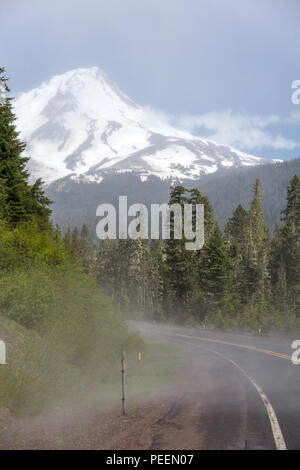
{"x": 242, "y": 277}
{"x": 74, "y": 202}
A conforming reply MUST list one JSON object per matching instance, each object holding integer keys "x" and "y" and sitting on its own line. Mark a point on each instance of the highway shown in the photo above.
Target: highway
{"x": 240, "y": 391}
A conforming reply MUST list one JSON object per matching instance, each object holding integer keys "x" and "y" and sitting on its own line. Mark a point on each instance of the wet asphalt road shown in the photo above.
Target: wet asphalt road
{"x": 227, "y": 410}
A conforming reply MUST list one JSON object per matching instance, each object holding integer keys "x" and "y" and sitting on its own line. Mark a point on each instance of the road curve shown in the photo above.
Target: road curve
{"x": 248, "y": 390}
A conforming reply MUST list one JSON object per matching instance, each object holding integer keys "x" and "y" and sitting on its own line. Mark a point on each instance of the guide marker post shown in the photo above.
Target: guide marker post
{"x": 123, "y": 362}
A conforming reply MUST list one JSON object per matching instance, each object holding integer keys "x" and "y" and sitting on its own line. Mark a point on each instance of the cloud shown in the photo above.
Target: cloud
{"x": 239, "y": 130}
{"x": 250, "y": 132}
{"x": 157, "y": 120}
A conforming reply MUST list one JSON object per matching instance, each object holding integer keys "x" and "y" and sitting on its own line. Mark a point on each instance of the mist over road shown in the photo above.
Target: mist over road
{"x": 239, "y": 391}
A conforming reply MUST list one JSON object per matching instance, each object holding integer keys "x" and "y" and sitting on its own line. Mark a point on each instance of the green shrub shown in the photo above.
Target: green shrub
{"x": 64, "y": 335}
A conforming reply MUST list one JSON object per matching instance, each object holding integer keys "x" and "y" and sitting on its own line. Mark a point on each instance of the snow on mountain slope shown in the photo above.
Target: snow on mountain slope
{"x": 81, "y": 124}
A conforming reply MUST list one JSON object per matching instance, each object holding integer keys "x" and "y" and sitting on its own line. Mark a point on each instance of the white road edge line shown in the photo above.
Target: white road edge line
{"x": 276, "y": 430}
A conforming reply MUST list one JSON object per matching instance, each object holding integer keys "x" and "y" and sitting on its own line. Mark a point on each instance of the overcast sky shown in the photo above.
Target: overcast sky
{"x": 219, "y": 68}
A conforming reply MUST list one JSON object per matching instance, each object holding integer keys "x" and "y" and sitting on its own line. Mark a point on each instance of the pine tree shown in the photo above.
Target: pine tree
{"x": 248, "y": 244}
{"x": 138, "y": 275}
{"x": 259, "y": 246}
{"x": 236, "y": 230}
{"x": 106, "y": 268}
{"x": 237, "y": 243}
{"x": 67, "y": 240}
{"x": 183, "y": 267}
{"x": 290, "y": 243}
{"x": 280, "y": 294}
{"x": 75, "y": 244}
{"x": 20, "y": 201}
{"x": 157, "y": 276}
{"x": 198, "y": 299}
{"x": 85, "y": 249}
{"x": 57, "y": 234}
{"x": 121, "y": 275}
{"x": 178, "y": 269}
{"x": 2, "y": 199}
{"x": 215, "y": 266}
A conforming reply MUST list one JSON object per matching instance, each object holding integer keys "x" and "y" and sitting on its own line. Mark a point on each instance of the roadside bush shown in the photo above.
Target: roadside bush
{"x": 63, "y": 334}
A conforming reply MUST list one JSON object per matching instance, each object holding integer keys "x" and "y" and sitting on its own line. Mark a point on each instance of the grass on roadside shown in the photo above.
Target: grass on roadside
{"x": 39, "y": 380}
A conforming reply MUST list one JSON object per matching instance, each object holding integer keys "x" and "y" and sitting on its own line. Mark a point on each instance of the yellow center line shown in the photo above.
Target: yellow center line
{"x": 237, "y": 345}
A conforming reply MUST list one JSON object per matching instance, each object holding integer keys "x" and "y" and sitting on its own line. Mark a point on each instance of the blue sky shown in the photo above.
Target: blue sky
{"x": 220, "y": 68}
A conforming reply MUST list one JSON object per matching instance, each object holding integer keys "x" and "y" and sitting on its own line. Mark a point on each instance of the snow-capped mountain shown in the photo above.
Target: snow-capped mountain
{"x": 81, "y": 124}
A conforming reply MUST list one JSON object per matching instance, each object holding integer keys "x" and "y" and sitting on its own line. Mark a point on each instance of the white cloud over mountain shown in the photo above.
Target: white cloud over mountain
{"x": 240, "y": 130}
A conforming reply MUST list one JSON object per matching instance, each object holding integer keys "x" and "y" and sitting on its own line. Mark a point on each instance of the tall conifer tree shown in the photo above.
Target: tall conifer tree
{"x": 19, "y": 199}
